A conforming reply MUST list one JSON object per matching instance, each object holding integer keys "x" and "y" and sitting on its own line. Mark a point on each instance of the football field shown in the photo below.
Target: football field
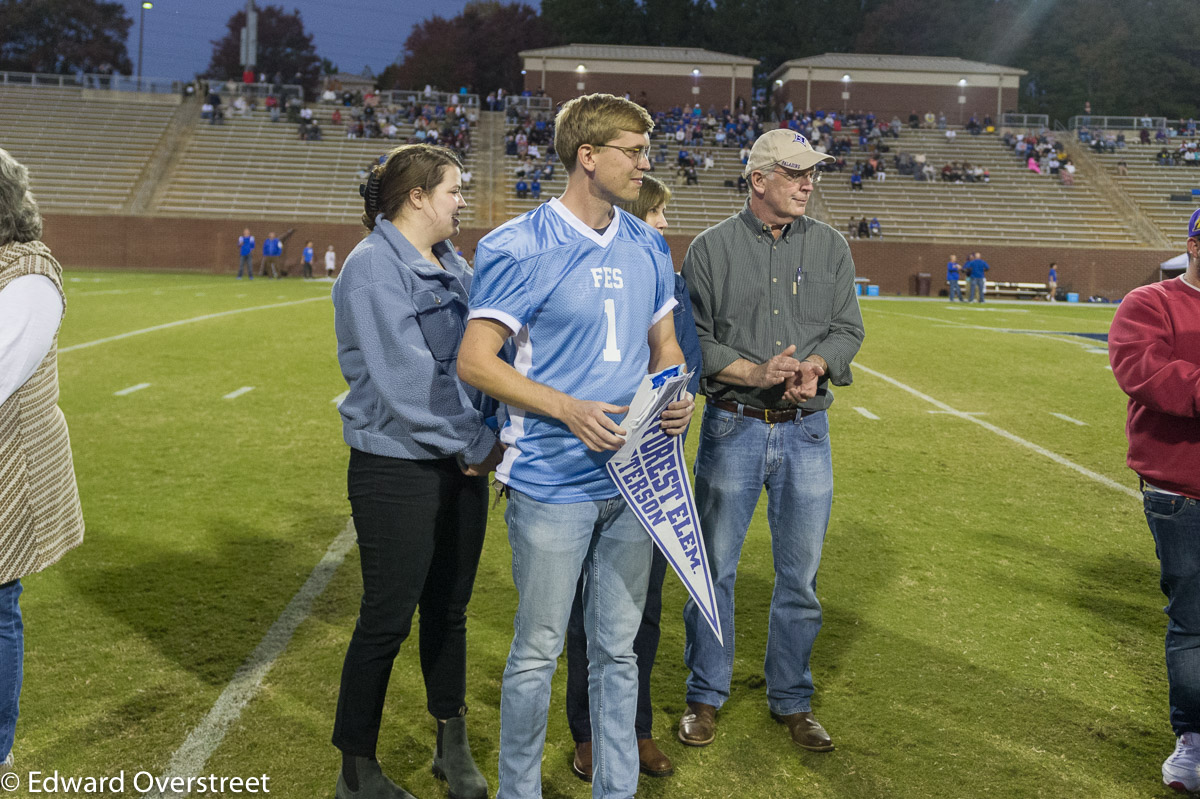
{"x": 993, "y": 621}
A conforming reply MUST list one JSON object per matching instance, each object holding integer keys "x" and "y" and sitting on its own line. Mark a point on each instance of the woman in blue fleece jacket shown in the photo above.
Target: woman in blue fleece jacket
{"x": 420, "y": 449}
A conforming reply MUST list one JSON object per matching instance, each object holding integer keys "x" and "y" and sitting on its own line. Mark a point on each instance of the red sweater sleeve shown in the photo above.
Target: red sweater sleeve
{"x": 1143, "y": 348}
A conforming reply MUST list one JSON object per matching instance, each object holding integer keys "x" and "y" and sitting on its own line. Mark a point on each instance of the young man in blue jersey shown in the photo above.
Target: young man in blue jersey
{"x": 245, "y": 253}
{"x": 587, "y": 291}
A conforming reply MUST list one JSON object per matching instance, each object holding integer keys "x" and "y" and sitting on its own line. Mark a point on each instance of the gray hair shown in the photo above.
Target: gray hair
{"x": 20, "y": 219}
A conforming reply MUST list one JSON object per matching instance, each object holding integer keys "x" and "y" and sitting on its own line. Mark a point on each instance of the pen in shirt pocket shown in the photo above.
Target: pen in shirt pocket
{"x": 799, "y": 277}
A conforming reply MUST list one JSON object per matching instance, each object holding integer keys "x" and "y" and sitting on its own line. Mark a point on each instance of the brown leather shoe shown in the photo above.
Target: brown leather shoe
{"x": 582, "y": 764}
{"x": 652, "y": 760}
{"x": 806, "y": 731}
{"x": 698, "y": 727}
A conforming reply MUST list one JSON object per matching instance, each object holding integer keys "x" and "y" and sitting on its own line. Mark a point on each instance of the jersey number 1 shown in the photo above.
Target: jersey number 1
{"x": 611, "y": 353}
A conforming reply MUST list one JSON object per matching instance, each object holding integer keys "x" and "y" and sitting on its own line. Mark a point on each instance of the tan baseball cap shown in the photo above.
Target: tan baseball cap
{"x": 789, "y": 149}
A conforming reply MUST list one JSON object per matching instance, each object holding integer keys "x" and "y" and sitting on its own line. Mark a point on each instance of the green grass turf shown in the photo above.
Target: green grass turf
{"x": 993, "y": 622}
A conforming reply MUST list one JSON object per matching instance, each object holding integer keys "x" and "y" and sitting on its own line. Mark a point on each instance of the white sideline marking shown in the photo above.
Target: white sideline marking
{"x": 866, "y": 413}
{"x": 130, "y": 291}
{"x": 126, "y": 391}
{"x": 962, "y": 413}
{"x": 238, "y": 392}
{"x": 189, "y": 759}
{"x": 338, "y": 399}
{"x": 1109, "y": 368}
{"x": 1059, "y": 459}
{"x": 1066, "y": 418}
{"x": 203, "y": 318}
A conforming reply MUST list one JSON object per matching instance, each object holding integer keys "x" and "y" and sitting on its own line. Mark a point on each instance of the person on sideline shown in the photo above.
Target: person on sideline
{"x": 778, "y": 320}
{"x": 953, "y": 275}
{"x": 330, "y": 261}
{"x": 587, "y": 291}
{"x": 40, "y": 518}
{"x": 420, "y": 450}
{"x": 650, "y": 207}
{"x": 1052, "y": 282}
{"x": 976, "y": 269}
{"x": 1155, "y": 356}
{"x": 271, "y": 250}
{"x": 306, "y": 256}
{"x": 246, "y": 254}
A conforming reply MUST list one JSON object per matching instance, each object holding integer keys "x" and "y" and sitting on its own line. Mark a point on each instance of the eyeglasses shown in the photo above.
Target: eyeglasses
{"x": 636, "y": 153}
{"x": 810, "y": 175}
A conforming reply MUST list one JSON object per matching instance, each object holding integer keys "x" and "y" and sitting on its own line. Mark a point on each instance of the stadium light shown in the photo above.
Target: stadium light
{"x": 962, "y": 97}
{"x": 141, "y": 35}
{"x": 695, "y": 80}
{"x": 581, "y": 71}
{"x": 845, "y": 92}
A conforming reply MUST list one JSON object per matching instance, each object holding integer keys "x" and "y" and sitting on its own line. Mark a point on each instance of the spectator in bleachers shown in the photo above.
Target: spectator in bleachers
{"x": 950, "y": 135}
{"x": 876, "y": 229}
{"x": 1122, "y": 168}
{"x": 522, "y": 189}
{"x": 1032, "y": 165}
{"x": 336, "y": 118}
{"x": 466, "y": 177}
{"x": 535, "y": 188}
{"x": 856, "y": 181}
{"x": 914, "y": 121}
{"x": 742, "y": 186}
{"x": 246, "y": 254}
{"x": 864, "y": 228}
{"x": 1067, "y": 173}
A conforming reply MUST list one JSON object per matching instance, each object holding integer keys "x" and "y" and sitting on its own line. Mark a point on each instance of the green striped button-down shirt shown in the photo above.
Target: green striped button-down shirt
{"x": 754, "y": 295}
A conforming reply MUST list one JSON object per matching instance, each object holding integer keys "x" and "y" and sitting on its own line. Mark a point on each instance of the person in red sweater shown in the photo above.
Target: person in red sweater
{"x": 1154, "y": 349}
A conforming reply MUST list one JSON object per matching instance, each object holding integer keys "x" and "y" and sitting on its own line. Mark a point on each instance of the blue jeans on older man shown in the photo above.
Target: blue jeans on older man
{"x": 551, "y": 544}
{"x": 12, "y": 656}
{"x": 1175, "y": 523}
{"x": 738, "y": 455}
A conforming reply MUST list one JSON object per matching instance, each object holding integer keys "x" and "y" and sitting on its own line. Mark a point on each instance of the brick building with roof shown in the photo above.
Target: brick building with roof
{"x": 659, "y": 77}
{"x": 896, "y": 85}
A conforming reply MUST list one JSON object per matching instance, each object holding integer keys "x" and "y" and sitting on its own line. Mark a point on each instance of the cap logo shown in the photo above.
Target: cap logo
{"x": 1196, "y": 226}
{"x": 801, "y": 139}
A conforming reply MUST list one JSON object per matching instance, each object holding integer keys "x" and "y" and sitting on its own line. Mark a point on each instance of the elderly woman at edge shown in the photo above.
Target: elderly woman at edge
{"x": 40, "y": 517}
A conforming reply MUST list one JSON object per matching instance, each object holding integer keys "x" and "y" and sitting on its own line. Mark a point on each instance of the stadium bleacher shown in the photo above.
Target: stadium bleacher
{"x": 85, "y": 153}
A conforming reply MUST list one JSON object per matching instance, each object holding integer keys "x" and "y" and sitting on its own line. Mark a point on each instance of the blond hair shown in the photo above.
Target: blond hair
{"x": 653, "y": 194}
{"x": 595, "y": 119}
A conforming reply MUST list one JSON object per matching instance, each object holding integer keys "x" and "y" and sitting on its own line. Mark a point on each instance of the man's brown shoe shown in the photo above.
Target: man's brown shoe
{"x": 698, "y": 727}
{"x": 582, "y": 764}
{"x": 651, "y": 759}
{"x": 807, "y": 732}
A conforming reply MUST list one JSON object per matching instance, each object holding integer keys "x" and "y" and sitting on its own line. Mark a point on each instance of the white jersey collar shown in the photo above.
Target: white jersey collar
{"x": 584, "y": 230}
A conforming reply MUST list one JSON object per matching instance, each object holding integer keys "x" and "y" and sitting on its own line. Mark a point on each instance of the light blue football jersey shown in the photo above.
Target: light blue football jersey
{"x": 580, "y": 305}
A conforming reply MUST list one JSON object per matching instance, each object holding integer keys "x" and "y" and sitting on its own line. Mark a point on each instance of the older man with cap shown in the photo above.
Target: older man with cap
{"x": 1154, "y": 349}
{"x": 775, "y": 308}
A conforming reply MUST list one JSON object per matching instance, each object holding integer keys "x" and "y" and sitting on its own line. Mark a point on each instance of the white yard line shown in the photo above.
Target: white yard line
{"x": 1087, "y": 344}
{"x": 126, "y": 391}
{"x": 866, "y": 413}
{"x": 190, "y": 758}
{"x": 1066, "y": 418}
{"x": 169, "y": 325}
{"x": 1059, "y": 459}
{"x": 238, "y": 392}
{"x": 338, "y": 399}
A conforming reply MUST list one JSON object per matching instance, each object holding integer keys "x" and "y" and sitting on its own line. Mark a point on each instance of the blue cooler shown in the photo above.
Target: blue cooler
{"x": 872, "y": 291}
{"x": 1072, "y": 296}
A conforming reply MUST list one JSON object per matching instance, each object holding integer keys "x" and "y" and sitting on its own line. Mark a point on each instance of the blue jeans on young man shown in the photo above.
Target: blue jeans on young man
{"x": 245, "y": 265}
{"x": 977, "y": 284}
{"x": 551, "y": 543}
{"x": 12, "y": 657}
{"x": 736, "y": 458}
{"x": 955, "y": 290}
{"x": 1175, "y": 523}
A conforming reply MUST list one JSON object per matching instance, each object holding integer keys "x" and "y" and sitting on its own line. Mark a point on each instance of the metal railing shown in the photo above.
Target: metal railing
{"x": 1026, "y": 121}
{"x": 1116, "y": 123}
{"x": 445, "y": 99}
{"x": 234, "y": 88}
{"x": 544, "y": 105}
{"x": 91, "y": 80}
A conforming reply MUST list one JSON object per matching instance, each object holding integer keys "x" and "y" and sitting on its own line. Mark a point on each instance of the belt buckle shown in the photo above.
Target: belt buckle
{"x": 767, "y": 415}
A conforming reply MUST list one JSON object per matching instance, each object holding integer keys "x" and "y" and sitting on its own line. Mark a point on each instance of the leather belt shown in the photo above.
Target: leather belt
{"x": 768, "y": 415}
